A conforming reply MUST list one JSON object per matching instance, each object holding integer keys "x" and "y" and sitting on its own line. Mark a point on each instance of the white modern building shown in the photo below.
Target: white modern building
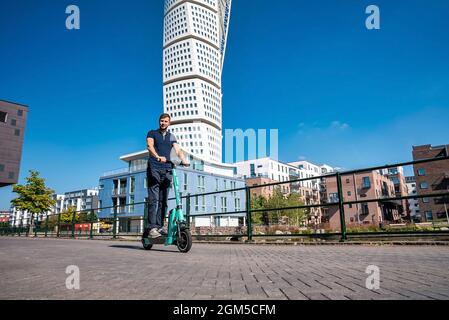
{"x": 413, "y": 204}
{"x": 265, "y": 168}
{"x": 195, "y": 36}
{"x": 309, "y": 170}
{"x": 81, "y": 200}
{"x": 326, "y": 169}
{"x": 59, "y": 205}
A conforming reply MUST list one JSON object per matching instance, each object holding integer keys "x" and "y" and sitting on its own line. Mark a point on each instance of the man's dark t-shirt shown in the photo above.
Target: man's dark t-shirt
{"x": 163, "y": 144}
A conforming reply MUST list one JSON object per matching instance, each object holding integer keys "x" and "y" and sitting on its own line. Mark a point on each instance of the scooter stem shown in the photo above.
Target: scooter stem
{"x": 176, "y": 188}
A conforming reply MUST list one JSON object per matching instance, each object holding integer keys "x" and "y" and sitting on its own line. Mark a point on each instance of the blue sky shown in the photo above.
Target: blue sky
{"x": 338, "y": 93}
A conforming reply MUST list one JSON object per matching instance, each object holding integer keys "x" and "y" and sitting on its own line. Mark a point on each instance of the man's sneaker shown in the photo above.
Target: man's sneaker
{"x": 154, "y": 233}
{"x": 163, "y": 231}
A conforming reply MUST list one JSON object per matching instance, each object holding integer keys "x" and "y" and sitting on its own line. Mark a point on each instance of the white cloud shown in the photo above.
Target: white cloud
{"x": 339, "y": 125}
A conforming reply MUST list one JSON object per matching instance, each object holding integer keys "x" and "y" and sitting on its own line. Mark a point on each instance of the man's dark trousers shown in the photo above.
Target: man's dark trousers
{"x": 159, "y": 181}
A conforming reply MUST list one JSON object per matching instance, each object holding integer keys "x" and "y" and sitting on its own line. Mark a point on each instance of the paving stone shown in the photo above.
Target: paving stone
{"x": 36, "y": 269}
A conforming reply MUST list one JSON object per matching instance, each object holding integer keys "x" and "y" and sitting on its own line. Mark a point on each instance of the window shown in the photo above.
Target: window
{"x": 20, "y": 112}
{"x": 3, "y": 117}
{"x": 347, "y": 180}
{"x": 421, "y": 172}
{"x": 2, "y": 167}
{"x": 11, "y": 175}
{"x": 429, "y": 215}
{"x": 185, "y": 187}
{"x": 333, "y": 197}
{"x": 215, "y": 204}
{"x": 224, "y": 204}
{"x": 200, "y": 204}
{"x": 131, "y": 202}
{"x": 366, "y": 182}
{"x": 424, "y": 185}
{"x": 253, "y": 171}
{"x": 196, "y": 204}
{"x": 201, "y": 187}
{"x": 237, "y": 204}
{"x": 17, "y": 132}
{"x": 425, "y": 200}
{"x": 365, "y": 208}
{"x": 217, "y": 221}
{"x": 132, "y": 185}
{"x": 349, "y": 193}
{"x": 13, "y": 122}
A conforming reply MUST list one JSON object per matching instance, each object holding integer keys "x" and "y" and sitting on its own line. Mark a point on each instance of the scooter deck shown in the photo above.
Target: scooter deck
{"x": 159, "y": 240}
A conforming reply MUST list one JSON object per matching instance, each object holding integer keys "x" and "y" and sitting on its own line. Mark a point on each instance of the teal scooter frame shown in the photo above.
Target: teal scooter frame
{"x": 178, "y": 233}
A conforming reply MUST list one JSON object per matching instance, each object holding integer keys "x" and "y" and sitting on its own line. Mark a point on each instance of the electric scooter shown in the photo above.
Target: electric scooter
{"x": 178, "y": 233}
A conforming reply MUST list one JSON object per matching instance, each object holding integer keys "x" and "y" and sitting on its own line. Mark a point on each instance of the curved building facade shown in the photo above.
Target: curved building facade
{"x": 195, "y": 34}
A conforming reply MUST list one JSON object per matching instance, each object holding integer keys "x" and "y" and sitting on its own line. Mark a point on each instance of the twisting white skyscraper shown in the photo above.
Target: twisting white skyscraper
{"x": 195, "y": 34}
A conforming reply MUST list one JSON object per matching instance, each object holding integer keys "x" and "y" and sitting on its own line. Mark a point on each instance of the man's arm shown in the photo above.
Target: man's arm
{"x": 151, "y": 150}
{"x": 180, "y": 153}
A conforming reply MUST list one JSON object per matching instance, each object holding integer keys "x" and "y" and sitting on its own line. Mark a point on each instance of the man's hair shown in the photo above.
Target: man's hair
{"x": 164, "y": 115}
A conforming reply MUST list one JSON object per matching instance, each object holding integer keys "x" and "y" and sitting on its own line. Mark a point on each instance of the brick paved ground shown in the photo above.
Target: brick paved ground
{"x": 35, "y": 269}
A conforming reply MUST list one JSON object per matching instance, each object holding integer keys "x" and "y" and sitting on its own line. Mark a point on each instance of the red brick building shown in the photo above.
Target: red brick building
{"x": 431, "y": 178}
{"x": 363, "y": 186}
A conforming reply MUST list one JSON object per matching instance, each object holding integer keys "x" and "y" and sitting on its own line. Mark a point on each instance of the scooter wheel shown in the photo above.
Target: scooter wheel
{"x": 147, "y": 245}
{"x": 184, "y": 242}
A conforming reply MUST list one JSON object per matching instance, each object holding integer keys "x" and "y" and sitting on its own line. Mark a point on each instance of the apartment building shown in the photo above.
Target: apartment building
{"x": 266, "y": 170}
{"x": 362, "y": 186}
{"x": 413, "y": 204}
{"x": 431, "y": 178}
{"x": 396, "y": 175}
{"x": 13, "y": 119}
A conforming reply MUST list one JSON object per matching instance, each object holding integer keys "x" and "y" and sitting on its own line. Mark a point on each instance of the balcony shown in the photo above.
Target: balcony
{"x": 115, "y": 172}
{"x": 118, "y": 192}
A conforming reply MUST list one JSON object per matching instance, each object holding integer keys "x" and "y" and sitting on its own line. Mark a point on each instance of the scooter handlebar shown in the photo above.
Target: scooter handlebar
{"x": 186, "y": 165}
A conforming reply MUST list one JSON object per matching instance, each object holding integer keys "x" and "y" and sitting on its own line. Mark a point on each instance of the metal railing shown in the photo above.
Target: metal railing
{"x": 87, "y": 223}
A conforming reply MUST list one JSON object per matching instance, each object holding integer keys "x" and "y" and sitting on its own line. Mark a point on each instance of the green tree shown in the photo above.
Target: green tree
{"x": 259, "y": 202}
{"x": 295, "y": 216}
{"x": 67, "y": 215}
{"x": 278, "y": 200}
{"x": 34, "y": 197}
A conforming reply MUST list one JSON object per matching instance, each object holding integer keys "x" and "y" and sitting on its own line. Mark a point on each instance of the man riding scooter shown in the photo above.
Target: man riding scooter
{"x": 159, "y": 174}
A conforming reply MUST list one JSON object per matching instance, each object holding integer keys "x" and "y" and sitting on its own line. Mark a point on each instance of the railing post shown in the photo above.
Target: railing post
{"x": 249, "y": 224}
{"x": 114, "y": 225}
{"x": 20, "y": 225}
{"x": 58, "y": 225}
{"x": 46, "y": 225}
{"x": 341, "y": 208}
{"x": 73, "y": 224}
{"x": 92, "y": 214}
{"x": 188, "y": 210}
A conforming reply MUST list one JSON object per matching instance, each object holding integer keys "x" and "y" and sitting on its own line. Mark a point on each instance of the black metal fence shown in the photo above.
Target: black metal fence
{"x": 336, "y": 206}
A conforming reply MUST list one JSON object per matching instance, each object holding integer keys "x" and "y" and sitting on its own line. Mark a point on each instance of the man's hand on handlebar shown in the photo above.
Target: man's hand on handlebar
{"x": 185, "y": 163}
{"x": 163, "y": 159}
